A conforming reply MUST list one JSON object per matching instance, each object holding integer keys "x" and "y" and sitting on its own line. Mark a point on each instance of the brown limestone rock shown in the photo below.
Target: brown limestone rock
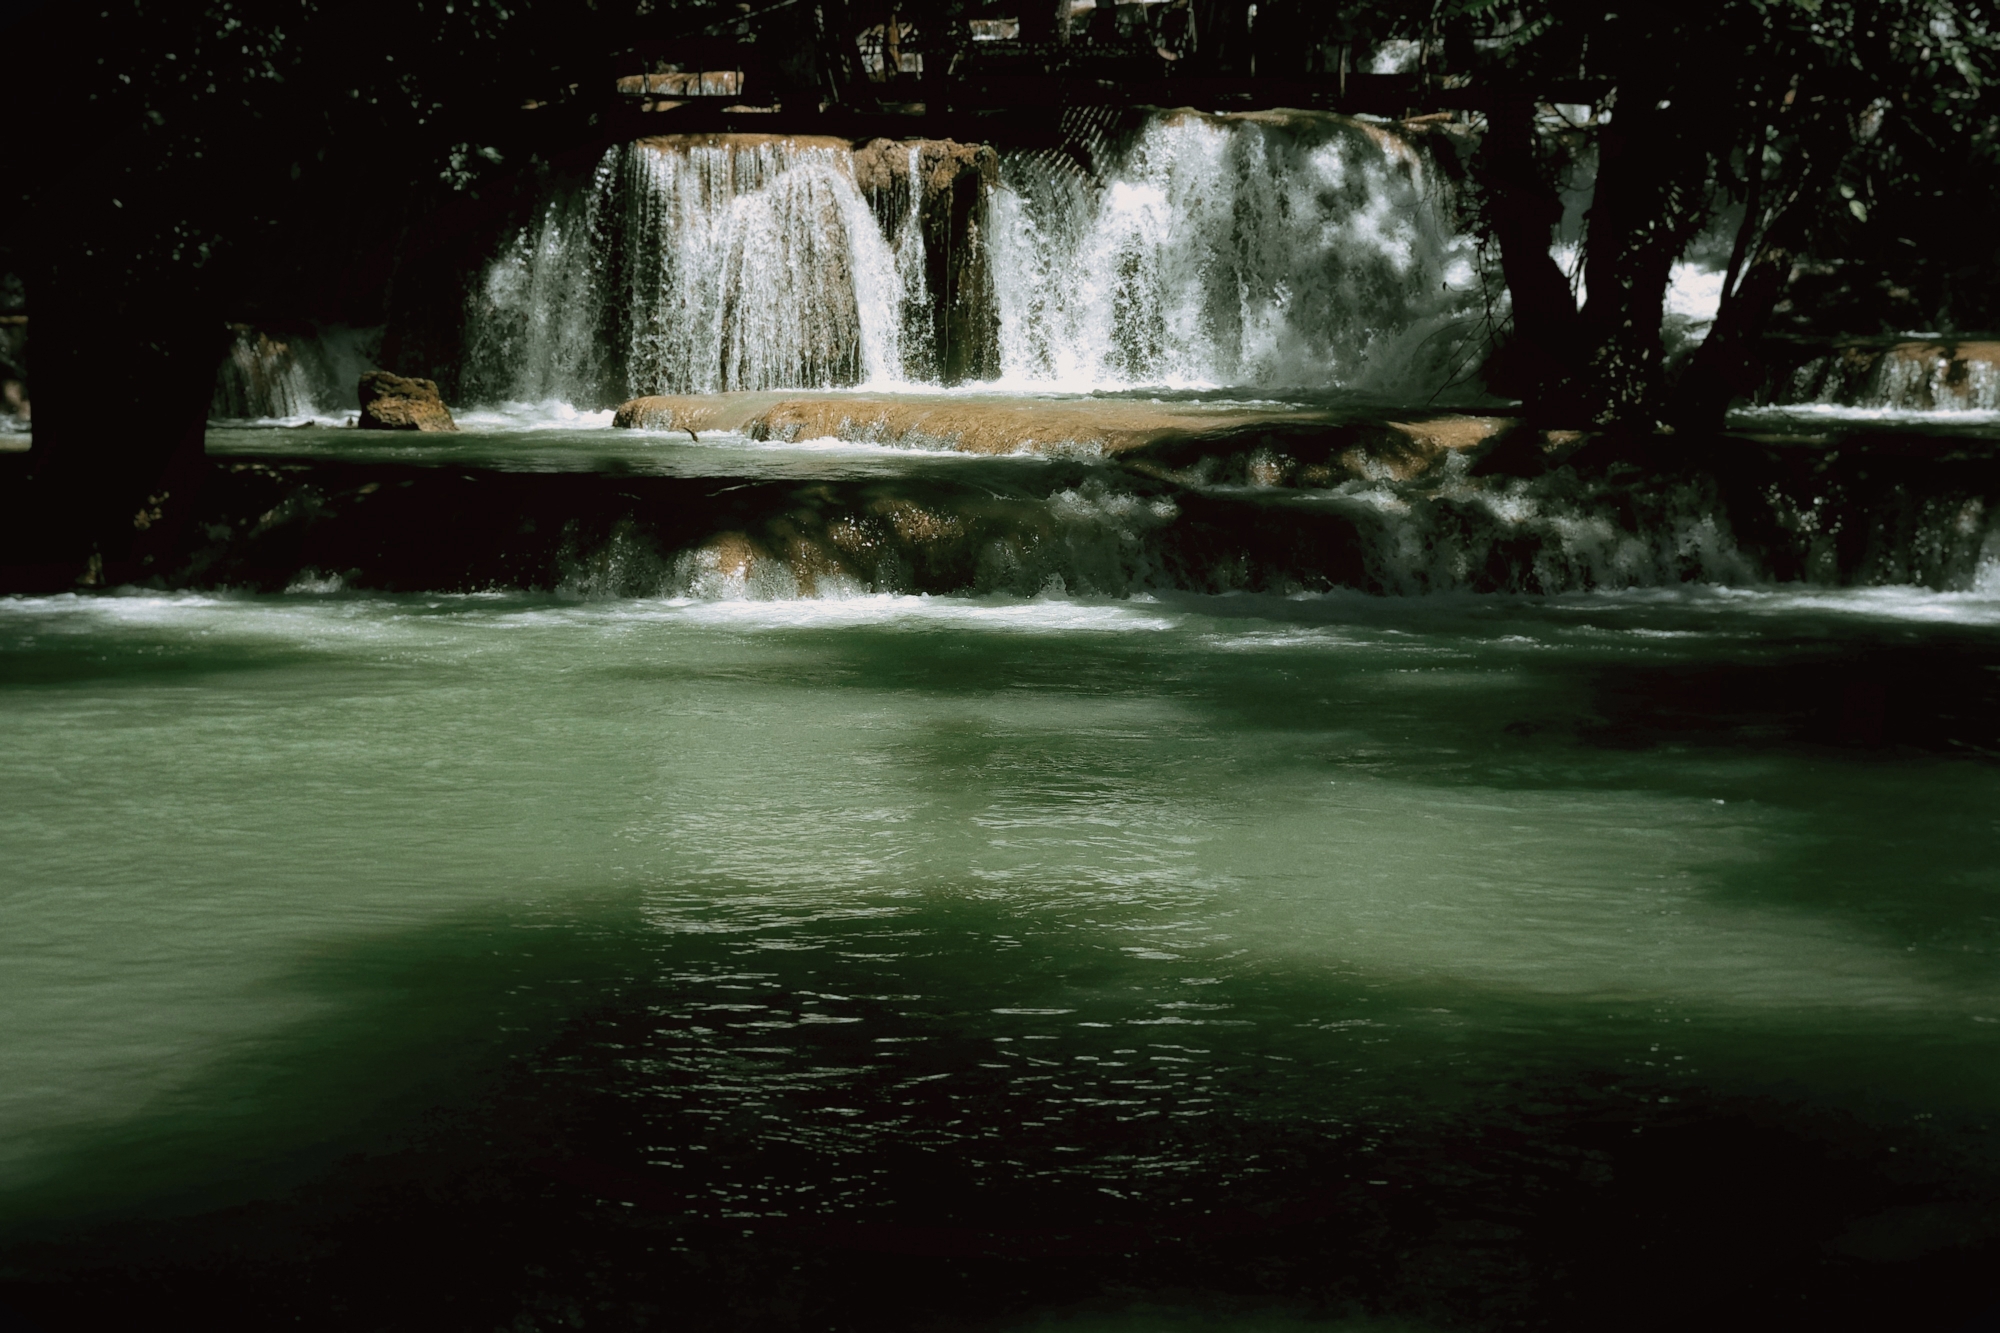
{"x": 392, "y": 402}
{"x": 985, "y": 424}
{"x": 1404, "y": 450}
{"x": 693, "y": 412}
{"x": 1189, "y": 443}
{"x": 884, "y": 164}
{"x": 948, "y": 184}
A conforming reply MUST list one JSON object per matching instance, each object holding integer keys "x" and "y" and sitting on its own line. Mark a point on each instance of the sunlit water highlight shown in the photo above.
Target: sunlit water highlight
{"x": 1390, "y": 843}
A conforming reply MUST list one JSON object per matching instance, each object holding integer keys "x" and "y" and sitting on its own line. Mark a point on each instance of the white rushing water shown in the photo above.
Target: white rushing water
{"x": 1292, "y": 251}
{"x": 1275, "y": 252}
{"x": 1921, "y": 376}
{"x": 690, "y": 267}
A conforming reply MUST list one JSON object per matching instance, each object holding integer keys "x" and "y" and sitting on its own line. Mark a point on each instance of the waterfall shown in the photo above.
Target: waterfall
{"x": 693, "y": 265}
{"x": 534, "y": 333}
{"x": 1914, "y": 376}
{"x": 1276, "y": 250}
{"x": 915, "y": 325}
{"x": 294, "y": 377}
{"x": 262, "y": 377}
{"x": 757, "y": 266}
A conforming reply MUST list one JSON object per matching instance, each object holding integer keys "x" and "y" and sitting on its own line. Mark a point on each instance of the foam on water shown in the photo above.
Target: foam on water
{"x": 549, "y": 414}
{"x": 838, "y": 447}
{"x": 1866, "y": 414}
{"x": 313, "y": 608}
{"x": 321, "y": 420}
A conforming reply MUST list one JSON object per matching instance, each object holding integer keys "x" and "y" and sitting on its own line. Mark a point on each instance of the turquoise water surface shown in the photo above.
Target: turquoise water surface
{"x": 950, "y": 932}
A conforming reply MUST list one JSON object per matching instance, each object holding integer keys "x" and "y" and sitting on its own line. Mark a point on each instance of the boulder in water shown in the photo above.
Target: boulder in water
{"x": 394, "y": 402}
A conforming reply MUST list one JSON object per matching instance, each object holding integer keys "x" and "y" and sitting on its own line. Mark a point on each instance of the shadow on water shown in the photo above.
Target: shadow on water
{"x": 402, "y": 1026}
{"x": 168, "y": 661}
{"x": 734, "y": 1105}
{"x": 728, "y": 1110}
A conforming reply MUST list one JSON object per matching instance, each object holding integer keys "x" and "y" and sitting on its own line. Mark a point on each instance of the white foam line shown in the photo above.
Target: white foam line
{"x": 835, "y": 445}
{"x": 1842, "y": 412}
{"x": 279, "y": 423}
{"x": 553, "y": 414}
{"x": 1032, "y": 615}
{"x": 1266, "y": 622}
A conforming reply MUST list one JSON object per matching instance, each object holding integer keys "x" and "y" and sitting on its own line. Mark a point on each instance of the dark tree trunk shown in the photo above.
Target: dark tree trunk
{"x": 1650, "y": 199}
{"x": 123, "y": 387}
{"x": 1728, "y": 366}
{"x": 1279, "y": 39}
{"x": 1224, "y": 26}
{"x": 838, "y": 51}
{"x": 790, "y": 40}
{"x": 1045, "y": 21}
{"x": 1539, "y": 361}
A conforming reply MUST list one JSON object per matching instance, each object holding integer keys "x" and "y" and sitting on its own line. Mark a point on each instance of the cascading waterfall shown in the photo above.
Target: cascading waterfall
{"x": 536, "y": 328}
{"x": 1282, "y": 250}
{"x": 1276, "y": 251}
{"x": 696, "y": 266}
{"x": 1914, "y": 376}
{"x": 756, "y": 267}
{"x": 262, "y": 377}
{"x": 1273, "y": 251}
{"x": 915, "y": 317}
{"x": 294, "y": 377}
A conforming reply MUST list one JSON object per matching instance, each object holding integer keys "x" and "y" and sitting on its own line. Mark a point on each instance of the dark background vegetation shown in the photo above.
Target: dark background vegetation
{"x": 173, "y": 165}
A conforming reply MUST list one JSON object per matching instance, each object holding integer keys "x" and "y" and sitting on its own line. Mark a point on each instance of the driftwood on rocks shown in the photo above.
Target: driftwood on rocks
{"x": 393, "y": 402}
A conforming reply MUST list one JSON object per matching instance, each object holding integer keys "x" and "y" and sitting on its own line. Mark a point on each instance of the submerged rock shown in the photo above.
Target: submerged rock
{"x": 393, "y": 402}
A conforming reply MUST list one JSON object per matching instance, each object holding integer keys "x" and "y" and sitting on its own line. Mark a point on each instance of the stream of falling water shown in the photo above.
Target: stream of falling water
{"x": 695, "y": 268}
{"x": 1293, "y": 252}
{"x": 1276, "y": 252}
